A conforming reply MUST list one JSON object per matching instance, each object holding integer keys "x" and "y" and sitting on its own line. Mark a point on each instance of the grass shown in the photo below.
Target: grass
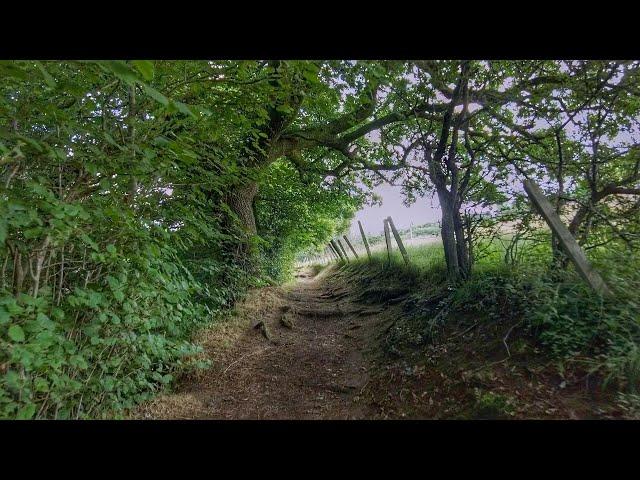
{"x": 425, "y": 261}
{"x": 553, "y": 306}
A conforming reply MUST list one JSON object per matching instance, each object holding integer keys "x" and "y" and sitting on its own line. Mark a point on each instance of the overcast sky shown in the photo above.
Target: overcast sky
{"x": 427, "y": 210}
{"x": 424, "y": 210}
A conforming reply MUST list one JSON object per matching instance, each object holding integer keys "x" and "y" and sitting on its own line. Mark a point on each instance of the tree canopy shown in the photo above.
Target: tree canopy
{"x": 138, "y": 199}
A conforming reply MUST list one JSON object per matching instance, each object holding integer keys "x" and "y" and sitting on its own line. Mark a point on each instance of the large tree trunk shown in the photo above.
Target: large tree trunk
{"x": 454, "y": 241}
{"x": 448, "y": 236}
{"x": 462, "y": 246}
{"x": 559, "y": 259}
{"x": 241, "y": 200}
{"x": 578, "y": 220}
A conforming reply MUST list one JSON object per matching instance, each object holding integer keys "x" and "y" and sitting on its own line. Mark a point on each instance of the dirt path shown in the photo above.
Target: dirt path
{"x": 319, "y": 354}
{"x": 308, "y": 364}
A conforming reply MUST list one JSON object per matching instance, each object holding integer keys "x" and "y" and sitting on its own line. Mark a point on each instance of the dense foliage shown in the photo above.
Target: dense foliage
{"x": 562, "y": 322}
{"x": 115, "y": 238}
{"x": 140, "y": 199}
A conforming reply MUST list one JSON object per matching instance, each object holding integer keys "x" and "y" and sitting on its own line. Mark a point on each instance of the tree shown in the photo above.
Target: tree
{"x": 585, "y": 142}
{"x": 453, "y": 113}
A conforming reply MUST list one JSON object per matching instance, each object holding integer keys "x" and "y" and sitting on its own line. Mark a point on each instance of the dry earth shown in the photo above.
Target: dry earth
{"x": 307, "y": 363}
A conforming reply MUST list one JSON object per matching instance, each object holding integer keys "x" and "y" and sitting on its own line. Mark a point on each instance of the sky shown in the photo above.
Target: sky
{"x": 424, "y": 210}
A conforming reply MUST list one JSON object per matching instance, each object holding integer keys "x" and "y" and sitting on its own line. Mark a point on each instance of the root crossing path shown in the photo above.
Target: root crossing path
{"x": 295, "y": 352}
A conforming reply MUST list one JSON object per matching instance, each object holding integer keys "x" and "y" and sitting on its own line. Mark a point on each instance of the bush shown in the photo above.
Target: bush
{"x": 565, "y": 315}
{"x": 555, "y": 305}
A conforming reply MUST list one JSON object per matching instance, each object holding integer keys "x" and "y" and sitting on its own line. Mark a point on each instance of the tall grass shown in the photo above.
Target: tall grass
{"x": 551, "y": 303}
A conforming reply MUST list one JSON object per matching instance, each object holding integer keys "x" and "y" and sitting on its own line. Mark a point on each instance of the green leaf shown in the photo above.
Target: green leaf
{"x": 156, "y": 95}
{"x": 110, "y": 140}
{"x": 111, "y": 248}
{"x": 26, "y": 412}
{"x": 41, "y": 385}
{"x": 32, "y": 233}
{"x": 79, "y": 362}
{"x": 45, "y": 322}
{"x": 105, "y": 184}
{"x": 47, "y": 76}
{"x": 121, "y": 70}
{"x": 57, "y": 313}
{"x": 4, "y": 316}
{"x": 12, "y": 306}
{"x": 113, "y": 282}
{"x": 16, "y": 333}
{"x": 183, "y": 108}
{"x": 12, "y": 380}
{"x": 9, "y": 69}
{"x": 145, "y": 67}
{"x": 89, "y": 241}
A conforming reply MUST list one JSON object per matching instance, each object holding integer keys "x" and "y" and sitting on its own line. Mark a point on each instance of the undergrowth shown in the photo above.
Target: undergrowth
{"x": 550, "y": 304}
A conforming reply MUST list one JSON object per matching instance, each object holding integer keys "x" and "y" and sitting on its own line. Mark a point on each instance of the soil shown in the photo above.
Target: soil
{"x": 309, "y": 365}
{"x": 312, "y": 350}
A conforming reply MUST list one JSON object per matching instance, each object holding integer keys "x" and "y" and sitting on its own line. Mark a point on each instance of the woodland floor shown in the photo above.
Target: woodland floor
{"x": 309, "y": 364}
{"x": 311, "y": 350}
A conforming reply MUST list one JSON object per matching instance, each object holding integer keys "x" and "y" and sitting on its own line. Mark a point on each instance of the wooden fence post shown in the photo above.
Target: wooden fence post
{"x": 343, "y": 250}
{"x": 336, "y": 250}
{"x": 364, "y": 239}
{"x": 340, "y": 254}
{"x": 350, "y": 246}
{"x": 332, "y": 255}
{"x": 403, "y": 251}
{"x": 569, "y": 244}
{"x": 387, "y": 237}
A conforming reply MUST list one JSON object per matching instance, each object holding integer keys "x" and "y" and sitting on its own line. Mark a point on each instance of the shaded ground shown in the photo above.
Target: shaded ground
{"x": 327, "y": 348}
{"x": 308, "y": 364}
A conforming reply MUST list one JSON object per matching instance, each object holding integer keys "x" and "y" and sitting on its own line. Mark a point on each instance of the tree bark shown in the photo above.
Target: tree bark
{"x": 448, "y": 236}
{"x": 241, "y": 202}
{"x": 454, "y": 239}
{"x": 559, "y": 258}
{"x": 462, "y": 249}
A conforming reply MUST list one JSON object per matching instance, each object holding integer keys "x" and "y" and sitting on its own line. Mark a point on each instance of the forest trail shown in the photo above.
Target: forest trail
{"x": 309, "y": 363}
{"x": 313, "y": 350}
